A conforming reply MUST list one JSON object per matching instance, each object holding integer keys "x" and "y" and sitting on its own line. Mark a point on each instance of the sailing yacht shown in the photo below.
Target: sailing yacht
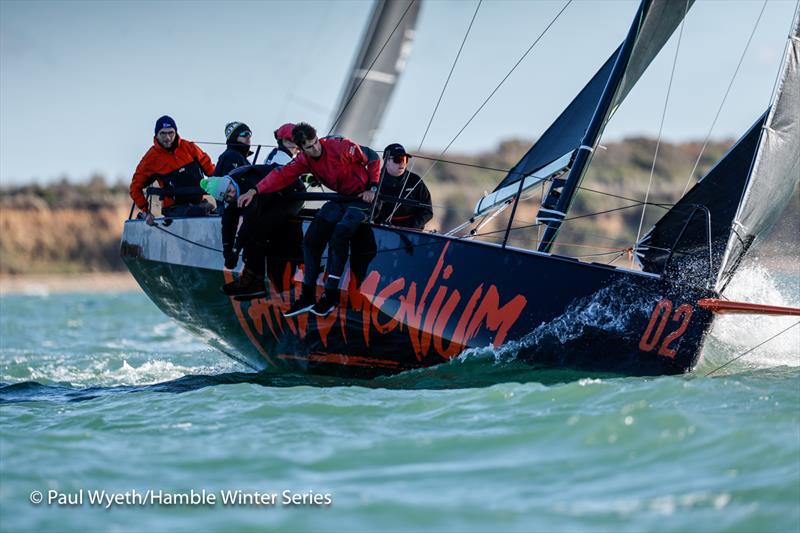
{"x": 414, "y": 299}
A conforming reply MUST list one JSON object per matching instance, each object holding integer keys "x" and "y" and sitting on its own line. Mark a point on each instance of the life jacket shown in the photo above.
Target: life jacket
{"x": 189, "y": 175}
{"x": 182, "y": 165}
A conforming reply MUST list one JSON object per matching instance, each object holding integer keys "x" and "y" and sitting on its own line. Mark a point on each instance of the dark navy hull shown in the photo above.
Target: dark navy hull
{"x": 418, "y": 299}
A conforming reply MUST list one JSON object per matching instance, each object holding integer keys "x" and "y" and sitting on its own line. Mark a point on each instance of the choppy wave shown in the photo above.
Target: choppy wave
{"x": 90, "y": 388}
{"x": 733, "y": 335}
{"x": 76, "y": 343}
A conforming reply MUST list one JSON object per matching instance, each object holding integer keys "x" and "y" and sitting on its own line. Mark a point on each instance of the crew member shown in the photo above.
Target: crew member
{"x": 172, "y": 162}
{"x": 399, "y": 182}
{"x": 346, "y": 168}
{"x": 262, "y": 219}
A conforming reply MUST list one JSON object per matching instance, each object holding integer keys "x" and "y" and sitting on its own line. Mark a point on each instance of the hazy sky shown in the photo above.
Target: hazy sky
{"x": 81, "y": 83}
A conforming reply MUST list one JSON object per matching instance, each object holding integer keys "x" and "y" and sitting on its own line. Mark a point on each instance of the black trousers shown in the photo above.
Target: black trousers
{"x": 267, "y": 230}
{"x": 334, "y": 226}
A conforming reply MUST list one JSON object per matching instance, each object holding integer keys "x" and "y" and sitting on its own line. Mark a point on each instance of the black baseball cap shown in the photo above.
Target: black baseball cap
{"x": 393, "y": 150}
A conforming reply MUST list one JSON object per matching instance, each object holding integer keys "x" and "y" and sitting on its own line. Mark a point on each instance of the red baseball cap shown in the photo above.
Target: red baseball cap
{"x": 284, "y": 132}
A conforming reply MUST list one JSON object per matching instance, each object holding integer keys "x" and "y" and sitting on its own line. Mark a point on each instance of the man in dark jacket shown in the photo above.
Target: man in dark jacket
{"x": 237, "y": 140}
{"x": 399, "y": 182}
{"x": 261, "y": 220}
{"x": 176, "y": 163}
{"x": 344, "y": 167}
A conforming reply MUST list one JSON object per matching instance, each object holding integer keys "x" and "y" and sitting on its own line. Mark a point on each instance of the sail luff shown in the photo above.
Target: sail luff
{"x": 565, "y": 133}
{"x": 380, "y": 61}
{"x": 775, "y": 171}
{"x": 555, "y": 214}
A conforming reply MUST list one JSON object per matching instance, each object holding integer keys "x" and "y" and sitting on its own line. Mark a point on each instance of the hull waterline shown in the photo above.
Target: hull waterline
{"x": 416, "y": 299}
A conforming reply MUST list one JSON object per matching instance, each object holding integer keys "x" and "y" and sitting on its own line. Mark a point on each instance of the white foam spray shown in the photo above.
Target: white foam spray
{"x": 734, "y": 334}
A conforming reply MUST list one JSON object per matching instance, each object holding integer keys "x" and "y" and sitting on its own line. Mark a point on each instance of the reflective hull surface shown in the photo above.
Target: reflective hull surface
{"x": 418, "y": 299}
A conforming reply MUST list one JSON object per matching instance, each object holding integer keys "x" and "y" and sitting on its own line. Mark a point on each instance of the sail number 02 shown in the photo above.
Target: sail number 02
{"x": 658, "y": 322}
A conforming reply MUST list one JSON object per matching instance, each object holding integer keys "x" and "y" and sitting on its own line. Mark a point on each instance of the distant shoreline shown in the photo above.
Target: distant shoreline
{"x": 39, "y": 284}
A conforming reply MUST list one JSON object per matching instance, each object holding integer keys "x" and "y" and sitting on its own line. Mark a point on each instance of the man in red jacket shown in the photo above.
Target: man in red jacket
{"x": 172, "y": 162}
{"x": 346, "y": 168}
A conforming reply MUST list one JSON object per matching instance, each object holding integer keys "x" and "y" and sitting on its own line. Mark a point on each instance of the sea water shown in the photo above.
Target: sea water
{"x": 114, "y": 418}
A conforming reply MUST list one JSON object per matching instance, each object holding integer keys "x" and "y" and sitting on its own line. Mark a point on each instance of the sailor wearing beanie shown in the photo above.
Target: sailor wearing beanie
{"x": 237, "y": 138}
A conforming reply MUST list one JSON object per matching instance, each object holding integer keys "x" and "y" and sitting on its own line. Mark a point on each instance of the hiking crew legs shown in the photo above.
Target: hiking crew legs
{"x": 262, "y": 225}
{"x": 335, "y": 224}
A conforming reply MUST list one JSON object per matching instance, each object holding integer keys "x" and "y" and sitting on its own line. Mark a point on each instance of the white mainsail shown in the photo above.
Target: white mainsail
{"x": 378, "y": 64}
{"x": 775, "y": 172}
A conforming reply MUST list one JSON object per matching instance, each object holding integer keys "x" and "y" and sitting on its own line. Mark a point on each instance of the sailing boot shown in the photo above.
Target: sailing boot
{"x": 249, "y": 285}
{"x": 326, "y": 304}
{"x": 304, "y": 303}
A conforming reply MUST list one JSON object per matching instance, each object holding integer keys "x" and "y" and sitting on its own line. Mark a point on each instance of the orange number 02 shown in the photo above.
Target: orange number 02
{"x": 658, "y": 322}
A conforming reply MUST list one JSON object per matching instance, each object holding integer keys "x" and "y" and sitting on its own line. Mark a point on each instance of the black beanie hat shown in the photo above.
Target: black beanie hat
{"x": 233, "y": 130}
{"x": 165, "y": 122}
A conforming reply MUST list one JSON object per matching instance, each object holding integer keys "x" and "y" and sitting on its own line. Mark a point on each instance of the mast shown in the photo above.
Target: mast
{"x": 556, "y": 151}
{"x": 556, "y": 204}
{"x": 378, "y": 64}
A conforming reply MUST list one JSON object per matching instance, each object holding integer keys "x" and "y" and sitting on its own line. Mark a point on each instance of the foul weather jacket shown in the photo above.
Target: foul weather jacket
{"x": 407, "y": 216}
{"x": 181, "y": 166}
{"x": 234, "y": 156}
{"x": 343, "y": 167}
{"x": 245, "y": 179}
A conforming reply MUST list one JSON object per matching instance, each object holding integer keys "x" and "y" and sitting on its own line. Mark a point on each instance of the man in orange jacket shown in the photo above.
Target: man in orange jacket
{"x": 176, "y": 163}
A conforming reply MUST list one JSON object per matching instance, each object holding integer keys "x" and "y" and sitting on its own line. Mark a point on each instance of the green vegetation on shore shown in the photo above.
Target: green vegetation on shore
{"x": 75, "y": 227}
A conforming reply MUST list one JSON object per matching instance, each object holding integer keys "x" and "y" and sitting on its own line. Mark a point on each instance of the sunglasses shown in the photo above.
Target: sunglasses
{"x": 400, "y": 159}
{"x": 246, "y": 134}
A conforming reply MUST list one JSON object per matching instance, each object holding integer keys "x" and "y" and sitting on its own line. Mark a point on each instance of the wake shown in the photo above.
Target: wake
{"x": 732, "y": 335}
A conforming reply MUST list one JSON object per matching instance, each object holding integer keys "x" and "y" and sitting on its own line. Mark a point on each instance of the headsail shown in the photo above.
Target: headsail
{"x": 776, "y": 170}
{"x": 689, "y": 240}
{"x": 388, "y": 38}
{"x": 581, "y": 123}
{"x": 557, "y": 144}
{"x": 655, "y": 22}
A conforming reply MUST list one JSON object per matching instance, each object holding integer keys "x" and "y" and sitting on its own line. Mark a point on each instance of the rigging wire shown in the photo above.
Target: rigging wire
{"x": 533, "y": 225}
{"x": 302, "y": 69}
{"x": 161, "y": 228}
{"x": 662, "y": 205}
{"x": 364, "y": 77}
{"x": 727, "y": 91}
{"x": 535, "y": 42}
{"x": 751, "y": 349}
{"x": 621, "y": 254}
{"x": 449, "y": 75}
{"x": 407, "y": 194}
{"x": 663, "y": 119}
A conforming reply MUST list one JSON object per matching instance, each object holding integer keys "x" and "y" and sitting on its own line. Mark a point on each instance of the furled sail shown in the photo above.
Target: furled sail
{"x": 689, "y": 240}
{"x": 655, "y": 22}
{"x": 776, "y": 170}
{"x": 365, "y": 98}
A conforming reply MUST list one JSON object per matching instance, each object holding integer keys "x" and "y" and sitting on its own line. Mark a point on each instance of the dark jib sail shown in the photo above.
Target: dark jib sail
{"x": 689, "y": 240}
{"x": 378, "y": 64}
{"x": 582, "y": 122}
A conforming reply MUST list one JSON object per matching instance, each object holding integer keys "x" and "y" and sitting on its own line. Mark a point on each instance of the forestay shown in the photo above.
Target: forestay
{"x": 583, "y": 120}
{"x": 689, "y": 240}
